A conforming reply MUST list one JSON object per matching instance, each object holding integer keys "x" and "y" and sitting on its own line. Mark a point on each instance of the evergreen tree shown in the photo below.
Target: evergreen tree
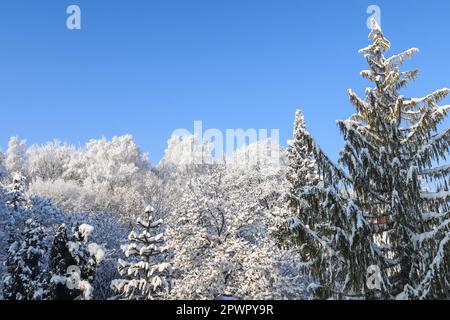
{"x": 147, "y": 277}
{"x": 392, "y": 149}
{"x": 59, "y": 261}
{"x": 389, "y": 208}
{"x": 302, "y": 172}
{"x": 73, "y": 262}
{"x": 16, "y": 194}
{"x": 327, "y": 226}
{"x": 26, "y": 279}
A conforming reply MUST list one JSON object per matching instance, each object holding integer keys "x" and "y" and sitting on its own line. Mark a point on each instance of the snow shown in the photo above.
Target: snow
{"x": 87, "y": 289}
{"x": 73, "y": 247}
{"x": 86, "y": 230}
{"x": 411, "y": 172}
{"x": 96, "y": 251}
{"x": 427, "y": 216}
{"x": 434, "y": 97}
{"x": 435, "y": 195}
{"x": 56, "y": 279}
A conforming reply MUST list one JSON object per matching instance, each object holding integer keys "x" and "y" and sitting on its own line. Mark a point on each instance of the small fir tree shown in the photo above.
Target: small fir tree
{"x": 147, "y": 277}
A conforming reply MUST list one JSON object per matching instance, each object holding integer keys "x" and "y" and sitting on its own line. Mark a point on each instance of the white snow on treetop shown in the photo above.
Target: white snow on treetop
{"x": 86, "y": 230}
{"x": 97, "y": 252}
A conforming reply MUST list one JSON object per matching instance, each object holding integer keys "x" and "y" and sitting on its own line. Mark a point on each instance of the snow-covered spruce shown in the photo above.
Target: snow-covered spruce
{"x": 26, "y": 275}
{"x": 16, "y": 192}
{"x": 388, "y": 206}
{"x": 147, "y": 276}
{"x": 73, "y": 262}
{"x": 323, "y": 221}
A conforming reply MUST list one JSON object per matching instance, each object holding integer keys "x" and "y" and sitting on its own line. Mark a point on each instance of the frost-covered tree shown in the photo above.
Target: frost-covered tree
{"x": 73, "y": 262}
{"x": 255, "y": 173}
{"x": 16, "y": 156}
{"x": 186, "y": 152}
{"x": 220, "y": 243}
{"x": 147, "y": 275}
{"x": 26, "y": 275}
{"x": 104, "y": 176}
{"x": 114, "y": 171}
{"x": 184, "y": 157}
{"x": 114, "y": 163}
{"x": 50, "y": 161}
{"x": 67, "y": 195}
{"x": 388, "y": 207}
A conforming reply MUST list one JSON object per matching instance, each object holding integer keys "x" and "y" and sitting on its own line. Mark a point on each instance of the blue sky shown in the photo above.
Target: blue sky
{"x": 150, "y": 67}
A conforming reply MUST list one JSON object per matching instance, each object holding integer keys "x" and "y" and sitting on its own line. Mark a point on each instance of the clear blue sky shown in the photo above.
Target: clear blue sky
{"x": 149, "y": 67}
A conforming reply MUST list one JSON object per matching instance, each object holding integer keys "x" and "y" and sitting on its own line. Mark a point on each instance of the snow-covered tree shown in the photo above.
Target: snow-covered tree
{"x": 3, "y": 170}
{"x": 392, "y": 149}
{"x": 376, "y": 211}
{"x": 329, "y": 229}
{"x": 214, "y": 234}
{"x": 256, "y": 173}
{"x": 114, "y": 171}
{"x": 73, "y": 262}
{"x": 110, "y": 233}
{"x": 16, "y": 192}
{"x": 58, "y": 264}
{"x": 26, "y": 275}
{"x": 147, "y": 275}
{"x": 107, "y": 176}
{"x": 114, "y": 162}
{"x": 302, "y": 175}
{"x": 186, "y": 152}
{"x": 184, "y": 157}
{"x": 49, "y": 161}
{"x": 16, "y": 156}
{"x": 67, "y": 195}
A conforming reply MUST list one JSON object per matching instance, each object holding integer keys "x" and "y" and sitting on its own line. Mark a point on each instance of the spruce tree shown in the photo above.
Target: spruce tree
{"x": 328, "y": 228}
{"x": 26, "y": 277}
{"x": 388, "y": 205}
{"x": 147, "y": 276}
{"x": 393, "y": 153}
{"x": 16, "y": 192}
{"x": 59, "y": 261}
